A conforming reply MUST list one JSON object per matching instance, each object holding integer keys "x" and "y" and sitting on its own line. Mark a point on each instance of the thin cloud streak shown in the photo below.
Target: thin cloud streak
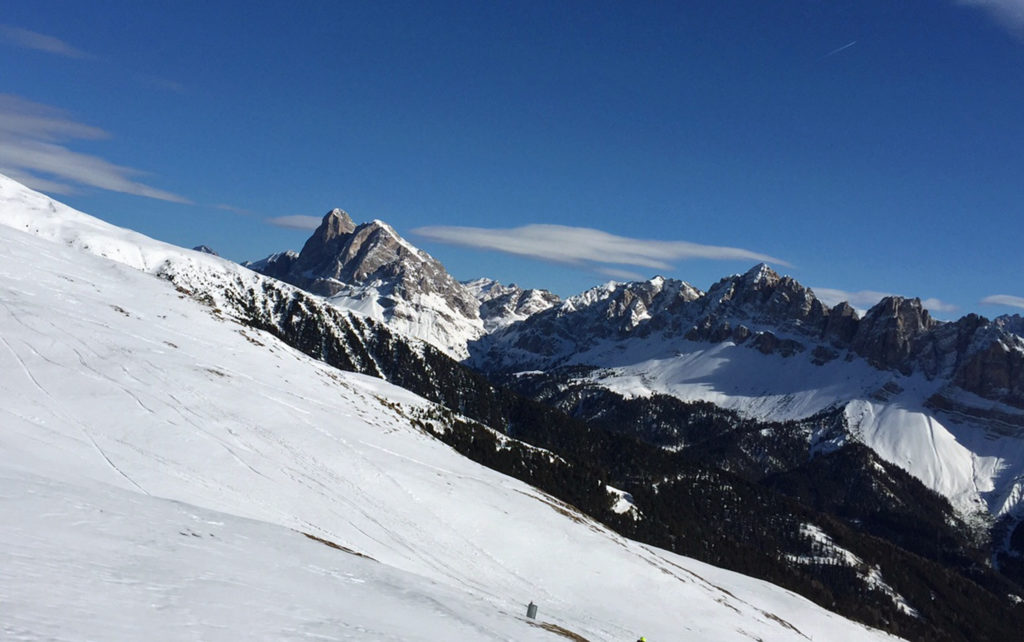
{"x": 233, "y": 209}
{"x": 1004, "y": 299}
{"x": 624, "y": 275}
{"x": 80, "y": 168}
{"x": 937, "y": 305}
{"x": 585, "y": 247}
{"x": 30, "y": 143}
{"x": 42, "y": 122}
{"x": 862, "y": 299}
{"x": 296, "y": 222}
{"x": 1009, "y": 13}
{"x": 39, "y": 42}
{"x": 843, "y": 48}
{"x": 865, "y": 299}
{"x": 164, "y": 84}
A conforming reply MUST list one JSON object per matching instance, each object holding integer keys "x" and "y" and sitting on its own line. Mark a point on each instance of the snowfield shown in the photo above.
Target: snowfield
{"x": 979, "y": 469}
{"x": 170, "y": 474}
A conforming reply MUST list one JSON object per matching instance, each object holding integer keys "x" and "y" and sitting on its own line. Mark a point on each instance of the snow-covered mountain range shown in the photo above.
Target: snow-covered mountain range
{"x": 945, "y": 401}
{"x": 170, "y": 472}
{"x": 942, "y": 400}
{"x": 371, "y": 270}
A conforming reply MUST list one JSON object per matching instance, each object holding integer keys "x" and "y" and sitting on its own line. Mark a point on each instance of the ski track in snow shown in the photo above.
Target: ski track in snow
{"x": 55, "y": 403}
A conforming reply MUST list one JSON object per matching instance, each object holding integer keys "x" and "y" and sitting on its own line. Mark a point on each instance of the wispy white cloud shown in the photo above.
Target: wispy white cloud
{"x": 1009, "y": 13}
{"x": 937, "y": 305}
{"x": 622, "y": 275}
{"x": 42, "y": 122}
{"x": 860, "y": 300}
{"x": 586, "y": 247}
{"x": 1004, "y": 299}
{"x": 838, "y": 49}
{"x": 296, "y": 222}
{"x": 163, "y": 84}
{"x": 864, "y": 299}
{"x": 232, "y": 208}
{"x": 31, "y": 137}
{"x": 39, "y": 42}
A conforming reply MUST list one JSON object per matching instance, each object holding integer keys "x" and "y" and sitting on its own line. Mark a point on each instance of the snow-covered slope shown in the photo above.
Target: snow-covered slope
{"x": 162, "y": 463}
{"x": 977, "y": 464}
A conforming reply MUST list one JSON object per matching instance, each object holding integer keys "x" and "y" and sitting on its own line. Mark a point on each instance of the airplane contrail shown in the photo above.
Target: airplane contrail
{"x": 843, "y": 48}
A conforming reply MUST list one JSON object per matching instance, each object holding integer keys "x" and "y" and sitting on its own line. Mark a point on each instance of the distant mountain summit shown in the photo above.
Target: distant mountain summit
{"x": 503, "y": 305}
{"x": 371, "y": 269}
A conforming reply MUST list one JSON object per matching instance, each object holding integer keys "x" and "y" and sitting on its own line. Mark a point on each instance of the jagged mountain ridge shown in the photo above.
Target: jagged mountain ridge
{"x": 369, "y": 268}
{"x": 772, "y": 314}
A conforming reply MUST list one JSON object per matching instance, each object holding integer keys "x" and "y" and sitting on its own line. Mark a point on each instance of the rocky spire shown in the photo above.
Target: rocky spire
{"x": 335, "y": 223}
{"x": 371, "y": 268}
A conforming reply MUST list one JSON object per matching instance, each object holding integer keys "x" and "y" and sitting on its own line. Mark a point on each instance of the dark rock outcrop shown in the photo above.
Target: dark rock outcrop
{"x": 994, "y": 372}
{"x": 841, "y": 325}
{"x": 886, "y": 334}
{"x": 341, "y": 254}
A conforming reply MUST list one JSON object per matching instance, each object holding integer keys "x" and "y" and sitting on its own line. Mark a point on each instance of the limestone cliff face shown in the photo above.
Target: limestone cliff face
{"x": 887, "y": 333}
{"x": 319, "y": 254}
{"x": 841, "y": 325}
{"x": 995, "y": 371}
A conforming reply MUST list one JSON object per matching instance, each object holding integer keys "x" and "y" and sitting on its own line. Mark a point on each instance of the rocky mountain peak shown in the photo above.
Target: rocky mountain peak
{"x": 503, "y": 305}
{"x": 1012, "y": 323}
{"x": 335, "y": 223}
{"x": 909, "y": 315}
{"x": 760, "y": 275}
{"x": 325, "y": 241}
{"x": 886, "y": 334}
{"x": 762, "y": 296}
{"x": 372, "y": 269}
{"x": 485, "y": 289}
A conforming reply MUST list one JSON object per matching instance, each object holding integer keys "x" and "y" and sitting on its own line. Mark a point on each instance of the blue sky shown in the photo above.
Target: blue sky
{"x": 864, "y": 147}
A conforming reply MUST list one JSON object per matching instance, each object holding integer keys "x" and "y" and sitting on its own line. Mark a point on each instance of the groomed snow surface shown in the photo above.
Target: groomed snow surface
{"x": 162, "y": 465}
